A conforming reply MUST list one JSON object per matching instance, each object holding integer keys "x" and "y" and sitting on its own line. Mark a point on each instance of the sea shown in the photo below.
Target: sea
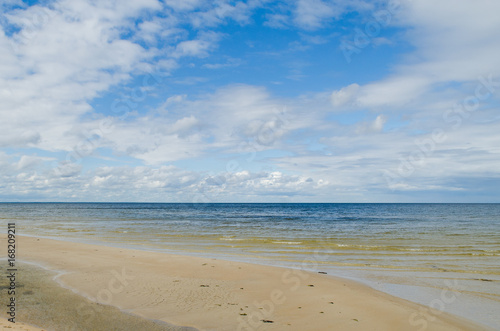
{"x": 445, "y": 256}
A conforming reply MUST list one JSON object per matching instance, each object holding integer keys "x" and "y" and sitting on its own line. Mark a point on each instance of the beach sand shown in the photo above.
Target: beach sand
{"x": 212, "y": 294}
{"x": 6, "y": 325}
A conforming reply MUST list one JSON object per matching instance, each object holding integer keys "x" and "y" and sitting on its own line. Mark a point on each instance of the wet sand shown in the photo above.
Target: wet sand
{"x": 41, "y": 300}
{"x": 210, "y": 294}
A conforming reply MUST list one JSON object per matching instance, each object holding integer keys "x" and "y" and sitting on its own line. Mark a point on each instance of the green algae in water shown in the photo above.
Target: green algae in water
{"x": 42, "y": 302}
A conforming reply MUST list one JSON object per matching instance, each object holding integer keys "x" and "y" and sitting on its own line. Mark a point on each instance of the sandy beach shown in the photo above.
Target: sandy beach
{"x": 6, "y": 325}
{"x": 212, "y": 294}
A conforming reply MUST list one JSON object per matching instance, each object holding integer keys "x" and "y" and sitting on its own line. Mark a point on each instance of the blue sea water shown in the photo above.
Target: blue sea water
{"x": 411, "y": 250}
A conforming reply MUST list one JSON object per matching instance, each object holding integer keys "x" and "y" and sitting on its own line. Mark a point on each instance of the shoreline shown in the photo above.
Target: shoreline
{"x": 213, "y": 294}
{"x": 456, "y": 294}
{"x": 43, "y": 301}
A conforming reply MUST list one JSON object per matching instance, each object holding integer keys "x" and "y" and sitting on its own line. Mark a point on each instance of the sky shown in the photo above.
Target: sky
{"x": 250, "y": 101}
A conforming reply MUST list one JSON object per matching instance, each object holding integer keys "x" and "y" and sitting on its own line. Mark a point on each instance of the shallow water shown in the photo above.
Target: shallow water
{"x": 411, "y": 250}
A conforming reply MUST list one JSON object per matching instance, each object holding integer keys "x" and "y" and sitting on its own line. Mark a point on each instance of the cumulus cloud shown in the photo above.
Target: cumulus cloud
{"x": 311, "y": 13}
{"x": 222, "y": 10}
{"x": 446, "y": 37}
{"x": 366, "y": 139}
{"x": 64, "y": 61}
{"x": 65, "y": 55}
{"x": 199, "y": 47}
{"x": 316, "y": 14}
{"x": 375, "y": 126}
{"x": 231, "y": 62}
{"x": 149, "y": 184}
{"x": 449, "y": 34}
{"x": 183, "y": 5}
{"x": 29, "y": 161}
{"x": 344, "y": 96}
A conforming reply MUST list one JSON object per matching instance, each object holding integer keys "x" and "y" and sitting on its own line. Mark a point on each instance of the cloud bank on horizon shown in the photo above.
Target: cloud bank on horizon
{"x": 250, "y": 101}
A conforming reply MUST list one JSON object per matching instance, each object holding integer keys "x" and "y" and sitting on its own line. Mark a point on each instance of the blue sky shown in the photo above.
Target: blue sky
{"x": 250, "y": 101}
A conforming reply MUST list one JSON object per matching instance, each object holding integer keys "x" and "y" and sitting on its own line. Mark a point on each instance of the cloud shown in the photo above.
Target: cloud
{"x": 62, "y": 62}
{"x": 230, "y": 63}
{"x": 344, "y": 96}
{"x": 444, "y": 47}
{"x": 278, "y": 21}
{"x": 316, "y": 14}
{"x": 393, "y": 92}
{"x": 150, "y": 184}
{"x": 51, "y": 78}
{"x": 449, "y": 34}
{"x": 197, "y": 47}
{"x": 375, "y": 126}
{"x": 310, "y": 14}
{"x": 225, "y": 119}
{"x": 30, "y": 162}
{"x": 183, "y": 5}
{"x": 221, "y": 10}
{"x": 65, "y": 55}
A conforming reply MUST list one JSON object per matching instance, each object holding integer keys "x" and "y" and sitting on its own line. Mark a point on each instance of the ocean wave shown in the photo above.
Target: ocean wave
{"x": 231, "y": 239}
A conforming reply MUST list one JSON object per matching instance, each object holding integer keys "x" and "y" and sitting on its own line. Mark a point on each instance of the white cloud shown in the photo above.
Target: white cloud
{"x": 183, "y": 5}
{"x": 316, "y": 14}
{"x": 29, "y": 161}
{"x": 159, "y": 31}
{"x": 455, "y": 42}
{"x": 393, "y": 92}
{"x": 310, "y": 14}
{"x": 164, "y": 183}
{"x": 448, "y": 50}
{"x": 197, "y": 47}
{"x": 231, "y": 62}
{"x": 221, "y": 10}
{"x": 231, "y": 116}
{"x": 375, "y": 126}
{"x": 344, "y": 96}
{"x": 278, "y": 21}
{"x": 69, "y": 53}
{"x": 67, "y": 58}
{"x": 53, "y": 67}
